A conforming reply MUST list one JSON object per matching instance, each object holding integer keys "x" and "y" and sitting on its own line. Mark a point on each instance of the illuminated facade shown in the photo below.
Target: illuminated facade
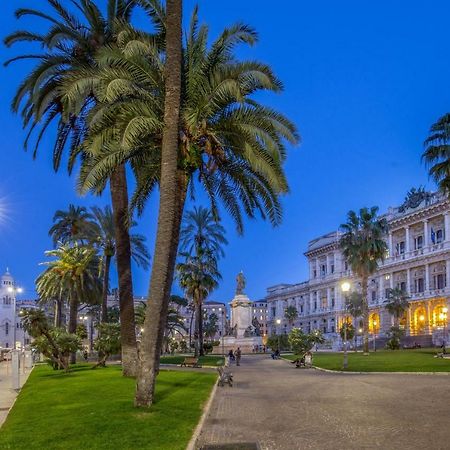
{"x": 418, "y": 262}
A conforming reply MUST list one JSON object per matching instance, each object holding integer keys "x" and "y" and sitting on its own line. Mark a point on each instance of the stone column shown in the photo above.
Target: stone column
{"x": 391, "y": 245}
{"x": 447, "y": 226}
{"x": 407, "y": 239}
{"x": 447, "y": 274}
{"x": 328, "y": 298}
{"x": 408, "y": 281}
{"x": 391, "y": 280}
{"x": 317, "y": 268}
{"x": 427, "y": 278}
{"x": 426, "y": 240}
{"x": 429, "y": 322}
{"x": 408, "y": 321}
{"x": 380, "y": 288}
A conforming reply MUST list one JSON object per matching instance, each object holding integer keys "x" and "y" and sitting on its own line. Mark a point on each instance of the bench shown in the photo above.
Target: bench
{"x": 225, "y": 377}
{"x": 190, "y": 361}
{"x": 442, "y": 355}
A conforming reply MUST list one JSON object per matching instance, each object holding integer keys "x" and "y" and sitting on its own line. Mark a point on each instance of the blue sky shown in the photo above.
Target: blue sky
{"x": 363, "y": 82}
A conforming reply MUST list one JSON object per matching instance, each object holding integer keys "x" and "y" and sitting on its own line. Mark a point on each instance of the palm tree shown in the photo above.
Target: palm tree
{"x": 363, "y": 246}
{"x": 437, "y": 153}
{"x": 290, "y": 313}
{"x": 74, "y": 225}
{"x": 198, "y": 276}
{"x": 74, "y": 272}
{"x": 396, "y": 304}
{"x": 68, "y": 47}
{"x": 353, "y": 305}
{"x": 234, "y": 144}
{"x": 106, "y": 242}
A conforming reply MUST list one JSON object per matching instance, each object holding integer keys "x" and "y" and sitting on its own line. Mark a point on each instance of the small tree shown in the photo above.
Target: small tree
{"x": 347, "y": 331}
{"x": 394, "y": 334}
{"x": 278, "y": 341}
{"x": 301, "y": 342}
{"x": 107, "y": 342}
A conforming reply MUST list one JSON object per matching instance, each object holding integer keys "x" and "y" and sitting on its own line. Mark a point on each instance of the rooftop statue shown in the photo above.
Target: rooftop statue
{"x": 240, "y": 283}
{"x": 414, "y": 198}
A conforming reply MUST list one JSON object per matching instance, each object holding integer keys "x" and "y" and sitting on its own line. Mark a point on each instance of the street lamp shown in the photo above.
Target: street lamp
{"x": 345, "y": 287}
{"x": 223, "y": 329}
{"x": 278, "y": 321}
{"x": 15, "y": 291}
{"x": 374, "y": 324}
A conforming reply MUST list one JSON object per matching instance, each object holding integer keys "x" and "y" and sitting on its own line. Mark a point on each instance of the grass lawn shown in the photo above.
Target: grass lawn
{"x": 93, "y": 409}
{"x": 208, "y": 360}
{"x": 420, "y": 360}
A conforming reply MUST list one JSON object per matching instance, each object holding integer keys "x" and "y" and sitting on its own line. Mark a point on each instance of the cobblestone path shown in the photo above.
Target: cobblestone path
{"x": 281, "y": 407}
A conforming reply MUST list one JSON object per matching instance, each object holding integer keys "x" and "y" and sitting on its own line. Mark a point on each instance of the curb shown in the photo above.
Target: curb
{"x": 347, "y": 372}
{"x": 206, "y": 409}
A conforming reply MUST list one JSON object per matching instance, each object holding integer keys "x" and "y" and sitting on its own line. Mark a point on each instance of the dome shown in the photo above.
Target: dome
{"x": 7, "y": 277}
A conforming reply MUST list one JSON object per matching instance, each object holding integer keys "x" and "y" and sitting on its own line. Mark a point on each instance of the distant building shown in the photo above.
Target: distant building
{"x": 259, "y": 312}
{"x": 418, "y": 262}
{"x": 11, "y": 329}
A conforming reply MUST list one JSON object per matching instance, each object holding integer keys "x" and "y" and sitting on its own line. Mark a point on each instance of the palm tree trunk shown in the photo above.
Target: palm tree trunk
{"x": 200, "y": 328}
{"x": 73, "y": 319}
{"x": 105, "y": 288}
{"x": 365, "y": 315}
{"x": 119, "y": 200}
{"x": 190, "y": 329}
{"x": 169, "y": 217}
{"x": 58, "y": 313}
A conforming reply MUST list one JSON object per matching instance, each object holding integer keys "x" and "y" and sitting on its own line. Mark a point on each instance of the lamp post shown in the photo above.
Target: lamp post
{"x": 279, "y": 334}
{"x": 222, "y": 335}
{"x": 345, "y": 287}
{"x": 374, "y": 324}
{"x": 15, "y": 291}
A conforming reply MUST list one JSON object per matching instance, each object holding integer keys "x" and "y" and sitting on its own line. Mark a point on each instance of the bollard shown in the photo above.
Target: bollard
{"x": 28, "y": 359}
{"x": 15, "y": 369}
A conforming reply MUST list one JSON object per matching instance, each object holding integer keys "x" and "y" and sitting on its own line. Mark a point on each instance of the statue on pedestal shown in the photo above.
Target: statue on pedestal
{"x": 240, "y": 283}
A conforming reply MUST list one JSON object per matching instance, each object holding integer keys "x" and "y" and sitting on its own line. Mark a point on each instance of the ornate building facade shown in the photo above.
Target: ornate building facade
{"x": 418, "y": 262}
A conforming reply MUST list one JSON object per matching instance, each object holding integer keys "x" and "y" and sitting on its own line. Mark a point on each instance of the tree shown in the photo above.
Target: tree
{"x": 347, "y": 331}
{"x": 54, "y": 343}
{"x": 394, "y": 334}
{"x": 278, "y": 341}
{"x": 68, "y": 47}
{"x": 107, "y": 342}
{"x": 211, "y": 326}
{"x": 301, "y": 342}
{"x": 74, "y": 225}
{"x": 198, "y": 277}
{"x": 396, "y": 304}
{"x": 437, "y": 153}
{"x": 74, "y": 272}
{"x": 106, "y": 242}
{"x": 353, "y": 305}
{"x": 363, "y": 247}
{"x": 291, "y": 313}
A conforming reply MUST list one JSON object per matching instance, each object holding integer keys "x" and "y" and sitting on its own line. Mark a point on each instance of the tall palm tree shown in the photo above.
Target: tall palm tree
{"x": 74, "y": 225}
{"x": 198, "y": 276}
{"x": 396, "y": 304}
{"x": 291, "y": 313}
{"x": 363, "y": 246}
{"x": 202, "y": 238}
{"x": 233, "y": 144}
{"x": 437, "y": 153}
{"x": 68, "y": 46}
{"x": 75, "y": 273}
{"x": 106, "y": 242}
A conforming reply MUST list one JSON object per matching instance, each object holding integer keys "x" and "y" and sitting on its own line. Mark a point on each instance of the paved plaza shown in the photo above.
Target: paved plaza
{"x": 7, "y": 394}
{"x": 281, "y": 407}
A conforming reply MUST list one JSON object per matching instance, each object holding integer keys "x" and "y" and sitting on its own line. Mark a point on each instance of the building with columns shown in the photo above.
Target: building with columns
{"x": 418, "y": 262}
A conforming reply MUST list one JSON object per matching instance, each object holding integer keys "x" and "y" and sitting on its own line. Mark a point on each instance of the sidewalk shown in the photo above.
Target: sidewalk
{"x": 7, "y": 394}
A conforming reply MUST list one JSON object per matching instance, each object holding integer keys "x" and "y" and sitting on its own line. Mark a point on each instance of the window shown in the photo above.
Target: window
{"x": 332, "y": 329}
{"x": 439, "y": 281}
{"x": 314, "y": 273}
{"x": 374, "y": 295}
{"x": 439, "y": 236}
{"x": 332, "y": 302}
{"x": 332, "y": 268}
{"x": 274, "y": 311}
{"x": 6, "y": 329}
{"x": 402, "y": 286}
{"x": 301, "y": 309}
{"x": 401, "y": 248}
{"x": 323, "y": 269}
{"x": 324, "y": 329}
{"x": 386, "y": 292}
{"x": 345, "y": 265}
{"x": 315, "y": 305}
{"x": 419, "y": 285}
{"x": 418, "y": 242}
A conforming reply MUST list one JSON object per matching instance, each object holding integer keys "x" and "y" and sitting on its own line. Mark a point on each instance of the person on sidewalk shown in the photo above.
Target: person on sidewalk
{"x": 238, "y": 356}
{"x": 231, "y": 357}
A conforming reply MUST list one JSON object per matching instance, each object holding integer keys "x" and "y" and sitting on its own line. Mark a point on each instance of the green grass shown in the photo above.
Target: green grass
{"x": 208, "y": 360}
{"x": 93, "y": 409}
{"x": 420, "y": 360}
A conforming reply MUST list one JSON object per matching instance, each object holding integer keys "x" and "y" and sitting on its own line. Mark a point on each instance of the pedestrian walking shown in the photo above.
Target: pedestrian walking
{"x": 231, "y": 357}
{"x": 238, "y": 356}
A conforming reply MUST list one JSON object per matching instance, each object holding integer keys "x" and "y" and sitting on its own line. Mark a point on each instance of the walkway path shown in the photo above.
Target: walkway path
{"x": 281, "y": 407}
{"x": 7, "y": 394}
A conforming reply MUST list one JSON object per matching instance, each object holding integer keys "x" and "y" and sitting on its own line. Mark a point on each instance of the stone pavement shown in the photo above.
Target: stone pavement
{"x": 7, "y": 394}
{"x": 283, "y": 408}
